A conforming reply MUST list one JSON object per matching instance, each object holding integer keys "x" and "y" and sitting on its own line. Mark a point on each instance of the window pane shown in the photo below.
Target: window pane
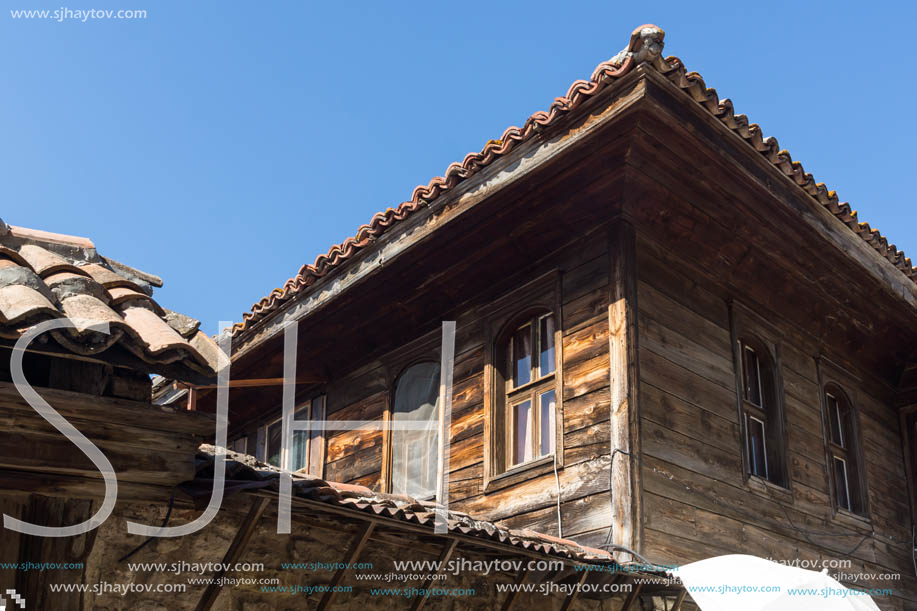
{"x": 752, "y": 376}
{"x": 522, "y": 356}
{"x": 240, "y": 445}
{"x": 300, "y": 442}
{"x": 841, "y": 486}
{"x": 757, "y": 449}
{"x": 546, "y": 345}
{"x": 547, "y": 423}
{"x": 522, "y": 429}
{"x": 274, "y": 435}
{"x": 259, "y": 445}
{"x": 414, "y": 451}
{"x": 835, "y": 427}
{"x": 317, "y": 437}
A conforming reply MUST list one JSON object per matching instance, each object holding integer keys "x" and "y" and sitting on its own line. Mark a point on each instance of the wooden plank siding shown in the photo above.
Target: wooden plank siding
{"x": 365, "y": 393}
{"x": 697, "y": 501}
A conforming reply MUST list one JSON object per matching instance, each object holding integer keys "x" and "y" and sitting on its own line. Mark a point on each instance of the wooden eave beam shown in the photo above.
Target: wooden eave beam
{"x": 669, "y": 102}
{"x": 254, "y": 382}
{"x": 443, "y": 559}
{"x": 574, "y": 593}
{"x": 239, "y": 543}
{"x": 634, "y": 593}
{"x": 511, "y": 597}
{"x": 355, "y": 550}
{"x": 616, "y": 101}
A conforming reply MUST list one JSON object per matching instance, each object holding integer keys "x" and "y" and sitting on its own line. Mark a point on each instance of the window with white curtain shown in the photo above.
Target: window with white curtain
{"x": 414, "y": 452}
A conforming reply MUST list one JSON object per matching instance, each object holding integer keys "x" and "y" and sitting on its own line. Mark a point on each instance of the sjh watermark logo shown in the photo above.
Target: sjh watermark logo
{"x": 289, "y": 426}
{"x": 18, "y": 600}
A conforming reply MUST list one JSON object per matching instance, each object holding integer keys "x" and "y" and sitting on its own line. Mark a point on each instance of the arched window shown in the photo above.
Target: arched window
{"x": 844, "y": 469}
{"x": 414, "y": 452}
{"x": 762, "y": 423}
{"x": 529, "y": 391}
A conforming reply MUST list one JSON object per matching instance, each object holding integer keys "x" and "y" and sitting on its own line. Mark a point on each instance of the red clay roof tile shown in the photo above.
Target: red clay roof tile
{"x": 41, "y": 279}
{"x": 646, "y": 43}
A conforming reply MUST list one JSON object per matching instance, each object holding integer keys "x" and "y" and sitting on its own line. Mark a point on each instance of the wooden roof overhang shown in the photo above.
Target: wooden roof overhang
{"x": 553, "y": 190}
{"x": 643, "y": 149}
{"x": 697, "y": 192}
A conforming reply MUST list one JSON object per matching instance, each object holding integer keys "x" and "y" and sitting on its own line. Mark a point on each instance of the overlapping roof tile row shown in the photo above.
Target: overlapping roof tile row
{"x": 47, "y": 276}
{"x": 645, "y": 46}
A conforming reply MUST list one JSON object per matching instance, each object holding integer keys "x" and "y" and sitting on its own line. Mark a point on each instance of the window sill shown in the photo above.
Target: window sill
{"x": 521, "y": 473}
{"x": 851, "y": 519}
{"x": 766, "y": 487}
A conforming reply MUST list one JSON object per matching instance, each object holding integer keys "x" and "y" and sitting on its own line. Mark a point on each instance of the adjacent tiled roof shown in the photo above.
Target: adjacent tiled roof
{"x": 244, "y": 472}
{"x": 646, "y": 43}
{"x": 46, "y": 276}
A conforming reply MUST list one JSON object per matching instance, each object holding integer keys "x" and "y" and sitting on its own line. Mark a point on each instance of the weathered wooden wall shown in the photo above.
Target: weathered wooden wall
{"x": 364, "y": 394}
{"x": 698, "y": 503}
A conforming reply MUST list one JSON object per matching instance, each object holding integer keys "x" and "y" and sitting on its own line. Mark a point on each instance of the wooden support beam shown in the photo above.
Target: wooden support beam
{"x": 681, "y": 598}
{"x": 626, "y": 487}
{"x": 239, "y": 543}
{"x": 443, "y": 559}
{"x": 511, "y": 597}
{"x": 574, "y": 593}
{"x": 352, "y": 556}
{"x": 254, "y": 382}
{"x": 634, "y": 593}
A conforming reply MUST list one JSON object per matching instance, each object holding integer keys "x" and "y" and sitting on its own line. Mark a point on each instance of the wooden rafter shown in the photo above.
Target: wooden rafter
{"x": 521, "y": 578}
{"x": 574, "y": 593}
{"x": 634, "y": 593}
{"x": 352, "y": 554}
{"x": 681, "y": 598}
{"x": 255, "y": 382}
{"x": 443, "y": 559}
{"x": 239, "y": 543}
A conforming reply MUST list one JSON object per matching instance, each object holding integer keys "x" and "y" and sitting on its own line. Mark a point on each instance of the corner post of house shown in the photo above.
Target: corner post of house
{"x": 625, "y": 479}
{"x": 906, "y": 404}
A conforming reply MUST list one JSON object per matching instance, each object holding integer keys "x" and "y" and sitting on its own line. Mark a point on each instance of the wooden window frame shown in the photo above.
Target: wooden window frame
{"x": 539, "y": 297}
{"x": 388, "y": 447}
{"x": 835, "y": 381}
{"x": 748, "y": 330}
{"x": 425, "y": 348}
{"x": 305, "y": 405}
{"x": 244, "y": 440}
{"x": 532, "y": 391}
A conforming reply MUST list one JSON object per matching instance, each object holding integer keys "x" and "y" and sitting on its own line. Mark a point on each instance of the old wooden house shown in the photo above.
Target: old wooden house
{"x": 86, "y": 332}
{"x": 667, "y": 332}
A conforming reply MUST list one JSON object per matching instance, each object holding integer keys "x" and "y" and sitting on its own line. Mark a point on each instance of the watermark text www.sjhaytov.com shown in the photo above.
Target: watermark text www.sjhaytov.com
{"x": 64, "y": 13}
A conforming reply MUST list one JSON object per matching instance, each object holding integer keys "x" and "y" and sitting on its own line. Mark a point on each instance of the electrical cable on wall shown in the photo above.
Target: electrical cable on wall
{"x": 560, "y": 530}
{"x": 145, "y": 543}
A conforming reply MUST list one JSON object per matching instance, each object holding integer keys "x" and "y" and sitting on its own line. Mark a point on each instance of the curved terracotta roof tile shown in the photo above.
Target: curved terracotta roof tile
{"x": 56, "y": 279}
{"x": 107, "y": 277}
{"x": 20, "y": 303}
{"x": 120, "y": 294}
{"x": 45, "y": 262}
{"x": 646, "y": 43}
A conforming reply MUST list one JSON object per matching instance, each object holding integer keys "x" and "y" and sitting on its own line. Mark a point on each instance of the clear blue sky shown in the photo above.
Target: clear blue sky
{"x": 222, "y": 145}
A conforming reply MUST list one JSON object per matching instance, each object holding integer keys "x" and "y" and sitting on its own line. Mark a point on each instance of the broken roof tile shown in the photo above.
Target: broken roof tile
{"x": 185, "y": 325}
